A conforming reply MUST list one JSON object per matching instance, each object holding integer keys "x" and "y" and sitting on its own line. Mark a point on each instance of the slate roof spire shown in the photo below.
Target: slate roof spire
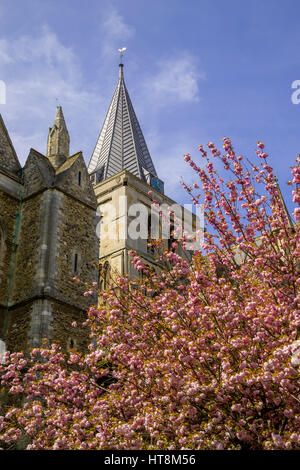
{"x": 121, "y": 144}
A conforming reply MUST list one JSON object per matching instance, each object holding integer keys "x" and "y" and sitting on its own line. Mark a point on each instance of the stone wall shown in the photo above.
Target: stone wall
{"x": 8, "y": 211}
{"x": 63, "y": 332}
{"x": 56, "y": 241}
{"x": 76, "y": 236}
{"x": 30, "y": 323}
{"x": 18, "y": 326}
{"x": 115, "y": 240}
{"x": 24, "y": 285}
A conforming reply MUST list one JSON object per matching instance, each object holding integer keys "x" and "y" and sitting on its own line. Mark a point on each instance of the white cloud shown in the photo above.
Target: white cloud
{"x": 176, "y": 80}
{"x": 39, "y": 70}
{"x": 115, "y": 32}
{"x": 44, "y": 47}
{"x": 4, "y": 53}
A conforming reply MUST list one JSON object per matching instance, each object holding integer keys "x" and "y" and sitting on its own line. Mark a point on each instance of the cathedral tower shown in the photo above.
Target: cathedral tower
{"x": 125, "y": 183}
{"x": 48, "y": 236}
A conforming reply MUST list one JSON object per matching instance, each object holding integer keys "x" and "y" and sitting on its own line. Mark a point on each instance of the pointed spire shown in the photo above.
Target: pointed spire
{"x": 59, "y": 118}
{"x": 121, "y": 75}
{"x": 58, "y": 140}
{"x": 121, "y": 144}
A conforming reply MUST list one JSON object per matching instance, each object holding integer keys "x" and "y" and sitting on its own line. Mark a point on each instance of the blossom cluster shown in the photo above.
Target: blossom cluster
{"x": 200, "y": 355}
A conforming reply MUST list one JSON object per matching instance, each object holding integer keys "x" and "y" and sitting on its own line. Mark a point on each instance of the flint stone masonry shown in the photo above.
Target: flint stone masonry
{"x": 57, "y": 211}
{"x": 9, "y": 207}
{"x": 27, "y": 255}
{"x": 77, "y": 234}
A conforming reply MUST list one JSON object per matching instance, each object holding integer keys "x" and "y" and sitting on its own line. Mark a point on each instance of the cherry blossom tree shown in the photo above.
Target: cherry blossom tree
{"x": 200, "y": 355}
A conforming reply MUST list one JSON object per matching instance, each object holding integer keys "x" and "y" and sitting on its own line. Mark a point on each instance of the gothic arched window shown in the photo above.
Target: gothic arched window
{"x": 75, "y": 262}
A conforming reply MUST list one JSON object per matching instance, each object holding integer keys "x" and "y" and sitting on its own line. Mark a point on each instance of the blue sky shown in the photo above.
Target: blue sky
{"x": 196, "y": 70}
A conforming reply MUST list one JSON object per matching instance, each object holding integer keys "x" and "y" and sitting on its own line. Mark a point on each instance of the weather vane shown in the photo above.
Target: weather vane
{"x": 121, "y": 53}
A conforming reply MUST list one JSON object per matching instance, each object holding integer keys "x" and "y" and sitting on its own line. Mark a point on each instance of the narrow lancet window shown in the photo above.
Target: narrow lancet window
{"x": 75, "y": 263}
